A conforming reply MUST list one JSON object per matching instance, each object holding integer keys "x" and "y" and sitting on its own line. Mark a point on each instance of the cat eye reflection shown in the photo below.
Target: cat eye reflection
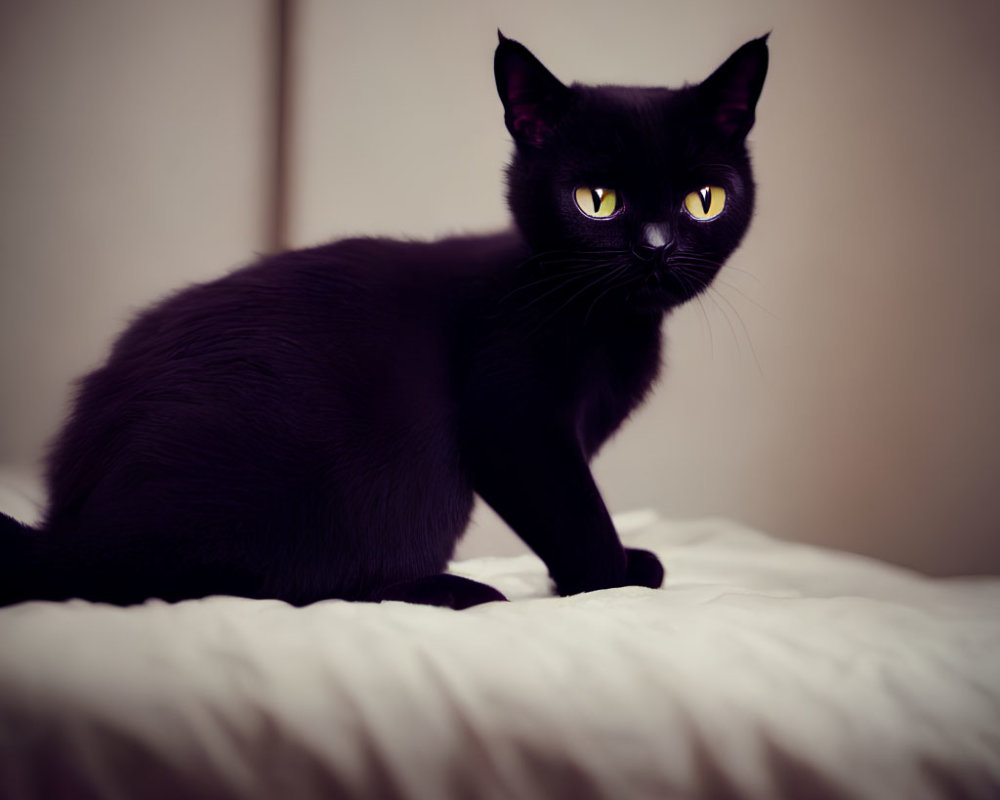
{"x": 706, "y": 203}
{"x": 598, "y": 203}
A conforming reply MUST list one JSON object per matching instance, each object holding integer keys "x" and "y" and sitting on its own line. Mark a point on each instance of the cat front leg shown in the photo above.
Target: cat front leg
{"x": 543, "y": 488}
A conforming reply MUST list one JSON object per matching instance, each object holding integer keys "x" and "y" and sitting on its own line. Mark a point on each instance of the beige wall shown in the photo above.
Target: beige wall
{"x": 133, "y": 160}
{"x": 840, "y": 385}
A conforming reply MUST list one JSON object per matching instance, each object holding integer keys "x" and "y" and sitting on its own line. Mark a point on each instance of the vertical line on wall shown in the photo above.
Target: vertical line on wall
{"x": 283, "y": 20}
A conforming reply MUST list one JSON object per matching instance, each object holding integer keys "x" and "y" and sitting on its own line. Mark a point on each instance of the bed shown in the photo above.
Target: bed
{"x": 763, "y": 669}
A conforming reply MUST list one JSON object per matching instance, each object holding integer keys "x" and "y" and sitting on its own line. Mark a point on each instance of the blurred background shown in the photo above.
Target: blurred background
{"x": 841, "y": 383}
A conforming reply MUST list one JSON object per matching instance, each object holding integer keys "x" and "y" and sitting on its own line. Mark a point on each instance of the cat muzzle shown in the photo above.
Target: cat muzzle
{"x": 655, "y": 256}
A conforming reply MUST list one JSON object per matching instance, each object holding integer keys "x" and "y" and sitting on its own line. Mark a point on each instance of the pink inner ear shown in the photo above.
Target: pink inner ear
{"x": 523, "y": 121}
{"x": 516, "y": 86}
{"x": 734, "y": 110}
{"x": 729, "y": 114}
{"x": 529, "y": 97}
{"x": 526, "y": 108}
{"x": 528, "y": 125}
{"x": 736, "y": 95}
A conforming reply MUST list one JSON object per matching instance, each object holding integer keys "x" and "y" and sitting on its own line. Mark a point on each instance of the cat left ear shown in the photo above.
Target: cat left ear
{"x": 533, "y": 98}
{"x": 733, "y": 89}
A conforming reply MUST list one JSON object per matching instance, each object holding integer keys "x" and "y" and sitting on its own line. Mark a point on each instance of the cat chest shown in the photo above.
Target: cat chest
{"x": 613, "y": 382}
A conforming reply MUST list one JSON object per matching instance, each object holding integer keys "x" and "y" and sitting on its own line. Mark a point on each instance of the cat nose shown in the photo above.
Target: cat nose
{"x": 656, "y": 235}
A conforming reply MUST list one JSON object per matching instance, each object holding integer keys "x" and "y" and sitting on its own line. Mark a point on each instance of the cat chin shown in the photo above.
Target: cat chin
{"x": 653, "y": 300}
{"x": 659, "y": 297}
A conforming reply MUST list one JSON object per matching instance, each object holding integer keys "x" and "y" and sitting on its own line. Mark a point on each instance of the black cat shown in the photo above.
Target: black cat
{"x": 314, "y": 425}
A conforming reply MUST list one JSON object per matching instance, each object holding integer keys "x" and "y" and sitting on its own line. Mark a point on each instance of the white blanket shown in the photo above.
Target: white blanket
{"x": 763, "y": 669}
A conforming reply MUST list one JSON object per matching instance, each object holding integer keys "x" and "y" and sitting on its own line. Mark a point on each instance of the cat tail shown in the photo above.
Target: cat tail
{"x": 19, "y": 561}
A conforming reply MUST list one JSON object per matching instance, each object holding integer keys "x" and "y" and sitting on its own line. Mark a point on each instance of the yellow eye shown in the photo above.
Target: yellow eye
{"x": 705, "y": 204}
{"x": 598, "y": 203}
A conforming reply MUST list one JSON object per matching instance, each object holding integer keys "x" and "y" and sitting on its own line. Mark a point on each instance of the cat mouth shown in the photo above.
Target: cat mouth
{"x": 664, "y": 276}
{"x": 653, "y": 255}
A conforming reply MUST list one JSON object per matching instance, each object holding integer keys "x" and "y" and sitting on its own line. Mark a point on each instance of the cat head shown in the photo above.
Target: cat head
{"x": 655, "y": 181}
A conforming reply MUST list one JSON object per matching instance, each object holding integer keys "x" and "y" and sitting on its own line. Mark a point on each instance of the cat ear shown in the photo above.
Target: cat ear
{"x": 733, "y": 89}
{"x": 533, "y": 98}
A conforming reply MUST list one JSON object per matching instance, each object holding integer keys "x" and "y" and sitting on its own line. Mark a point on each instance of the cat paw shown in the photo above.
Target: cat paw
{"x": 644, "y": 569}
{"x": 448, "y": 591}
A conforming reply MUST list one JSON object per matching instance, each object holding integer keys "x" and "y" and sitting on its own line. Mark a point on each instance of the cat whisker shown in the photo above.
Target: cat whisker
{"x": 583, "y": 265}
{"x": 714, "y": 296}
{"x": 589, "y": 266}
{"x": 693, "y": 258}
{"x": 739, "y": 317}
{"x": 686, "y": 279}
{"x": 729, "y": 322}
{"x": 605, "y": 276}
{"x": 683, "y": 269}
{"x": 548, "y": 256}
{"x": 558, "y": 278}
{"x": 741, "y": 271}
{"x": 618, "y": 272}
{"x": 566, "y": 280}
{"x": 744, "y": 295}
{"x": 708, "y": 325}
{"x": 695, "y": 261}
{"x": 689, "y": 278}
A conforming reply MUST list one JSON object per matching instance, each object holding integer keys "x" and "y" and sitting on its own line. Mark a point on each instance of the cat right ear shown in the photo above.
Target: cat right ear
{"x": 734, "y": 88}
{"x": 533, "y": 98}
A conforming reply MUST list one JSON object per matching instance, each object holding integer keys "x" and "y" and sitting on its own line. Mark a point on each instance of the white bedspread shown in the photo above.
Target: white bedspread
{"x": 763, "y": 669}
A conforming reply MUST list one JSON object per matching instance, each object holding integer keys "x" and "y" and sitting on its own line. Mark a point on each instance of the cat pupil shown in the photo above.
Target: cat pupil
{"x": 706, "y": 199}
{"x": 596, "y": 196}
